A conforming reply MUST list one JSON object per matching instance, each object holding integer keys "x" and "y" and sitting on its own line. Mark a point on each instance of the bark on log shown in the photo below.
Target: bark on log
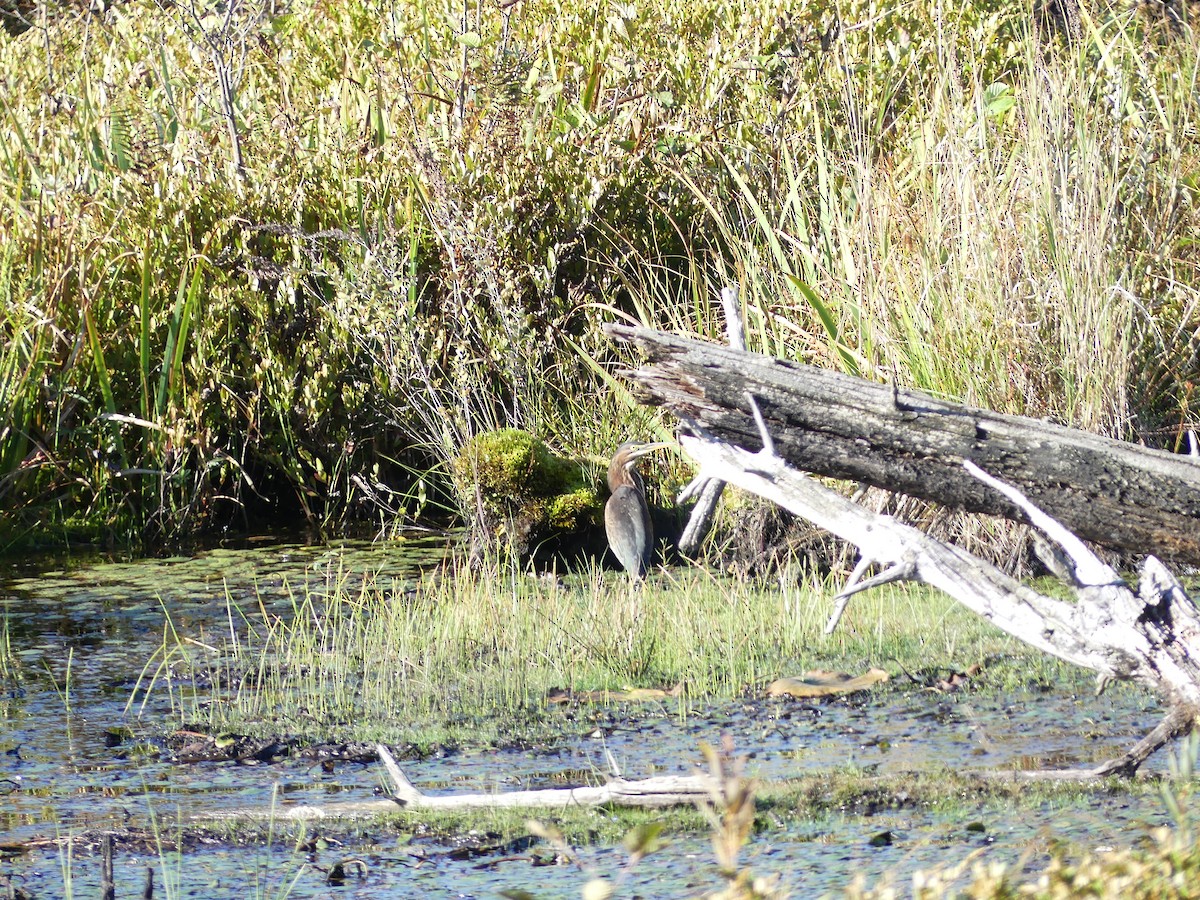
{"x": 1114, "y": 493}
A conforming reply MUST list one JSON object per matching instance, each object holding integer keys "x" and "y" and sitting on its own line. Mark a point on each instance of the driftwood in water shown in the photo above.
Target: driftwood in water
{"x": 1111, "y": 492}
{"x": 662, "y": 791}
{"x": 728, "y": 400}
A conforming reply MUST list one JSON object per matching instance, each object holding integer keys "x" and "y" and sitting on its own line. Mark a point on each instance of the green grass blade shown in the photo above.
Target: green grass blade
{"x": 144, "y": 329}
{"x": 187, "y": 296}
{"x": 782, "y": 259}
{"x": 102, "y": 378}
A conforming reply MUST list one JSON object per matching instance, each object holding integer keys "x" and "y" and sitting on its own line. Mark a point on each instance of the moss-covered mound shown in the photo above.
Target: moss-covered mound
{"x": 526, "y": 496}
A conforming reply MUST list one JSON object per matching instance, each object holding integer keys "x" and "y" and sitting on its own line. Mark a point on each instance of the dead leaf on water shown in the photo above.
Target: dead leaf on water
{"x": 824, "y": 684}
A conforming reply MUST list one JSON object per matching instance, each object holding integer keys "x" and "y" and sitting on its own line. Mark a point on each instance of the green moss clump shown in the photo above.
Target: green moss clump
{"x": 514, "y": 464}
{"x": 524, "y": 491}
{"x": 574, "y": 510}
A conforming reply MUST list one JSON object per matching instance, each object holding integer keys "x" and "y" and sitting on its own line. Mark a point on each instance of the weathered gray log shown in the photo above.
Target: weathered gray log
{"x": 1150, "y": 635}
{"x": 1064, "y": 482}
{"x": 1114, "y": 493}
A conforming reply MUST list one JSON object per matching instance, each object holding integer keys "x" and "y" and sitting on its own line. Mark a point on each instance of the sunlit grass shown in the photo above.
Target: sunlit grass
{"x": 983, "y": 246}
{"x": 968, "y": 208}
{"x": 472, "y": 657}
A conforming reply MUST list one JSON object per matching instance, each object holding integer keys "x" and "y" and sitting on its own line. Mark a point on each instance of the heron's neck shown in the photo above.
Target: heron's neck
{"x": 624, "y": 476}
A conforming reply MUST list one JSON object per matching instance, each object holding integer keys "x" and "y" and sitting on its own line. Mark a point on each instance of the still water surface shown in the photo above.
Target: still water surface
{"x": 80, "y": 637}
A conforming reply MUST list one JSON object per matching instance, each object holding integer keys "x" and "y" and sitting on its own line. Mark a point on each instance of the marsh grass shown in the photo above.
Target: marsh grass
{"x": 977, "y": 245}
{"x": 471, "y": 658}
{"x": 303, "y": 271}
{"x": 26, "y": 334}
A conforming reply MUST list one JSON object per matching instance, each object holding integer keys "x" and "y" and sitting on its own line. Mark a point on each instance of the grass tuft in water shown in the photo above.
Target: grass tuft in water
{"x": 468, "y": 658}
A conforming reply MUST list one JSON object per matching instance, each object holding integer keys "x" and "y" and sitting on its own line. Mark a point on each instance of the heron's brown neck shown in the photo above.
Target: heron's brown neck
{"x": 621, "y": 474}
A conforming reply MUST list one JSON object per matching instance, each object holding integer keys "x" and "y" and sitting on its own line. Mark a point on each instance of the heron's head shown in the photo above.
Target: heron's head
{"x": 621, "y": 469}
{"x": 630, "y": 452}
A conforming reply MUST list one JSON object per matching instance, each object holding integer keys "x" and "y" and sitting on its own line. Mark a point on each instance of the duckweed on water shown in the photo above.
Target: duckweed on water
{"x": 343, "y": 645}
{"x": 939, "y": 817}
{"x": 815, "y": 800}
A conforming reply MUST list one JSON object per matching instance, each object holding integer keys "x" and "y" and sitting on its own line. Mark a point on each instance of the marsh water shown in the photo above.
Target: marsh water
{"x": 80, "y": 633}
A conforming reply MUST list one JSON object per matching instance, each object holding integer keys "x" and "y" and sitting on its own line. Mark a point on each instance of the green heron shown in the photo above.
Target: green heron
{"x": 626, "y": 515}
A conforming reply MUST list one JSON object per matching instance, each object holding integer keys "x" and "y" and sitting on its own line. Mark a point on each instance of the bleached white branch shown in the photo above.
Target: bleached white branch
{"x": 1090, "y": 570}
{"x": 900, "y": 572}
{"x": 1059, "y": 628}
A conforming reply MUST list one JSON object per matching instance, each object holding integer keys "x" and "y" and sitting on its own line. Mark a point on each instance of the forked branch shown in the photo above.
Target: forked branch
{"x": 1151, "y": 635}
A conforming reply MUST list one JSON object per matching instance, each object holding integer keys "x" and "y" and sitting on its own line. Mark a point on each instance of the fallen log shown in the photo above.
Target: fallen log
{"x": 728, "y": 400}
{"x": 1114, "y": 493}
{"x": 1150, "y": 634}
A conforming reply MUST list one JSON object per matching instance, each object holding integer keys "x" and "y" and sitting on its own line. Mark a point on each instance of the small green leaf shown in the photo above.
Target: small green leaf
{"x": 998, "y": 99}
{"x": 548, "y": 91}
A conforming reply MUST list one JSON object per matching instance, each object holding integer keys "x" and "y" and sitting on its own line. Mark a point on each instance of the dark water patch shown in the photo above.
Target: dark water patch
{"x": 79, "y": 639}
{"x": 814, "y": 857}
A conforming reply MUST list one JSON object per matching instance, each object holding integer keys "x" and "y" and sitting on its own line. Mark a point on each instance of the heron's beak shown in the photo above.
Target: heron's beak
{"x": 645, "y": 449}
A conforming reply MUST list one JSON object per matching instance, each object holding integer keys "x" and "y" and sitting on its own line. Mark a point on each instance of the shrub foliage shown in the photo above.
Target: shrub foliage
{"x": 266, "y": 257}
